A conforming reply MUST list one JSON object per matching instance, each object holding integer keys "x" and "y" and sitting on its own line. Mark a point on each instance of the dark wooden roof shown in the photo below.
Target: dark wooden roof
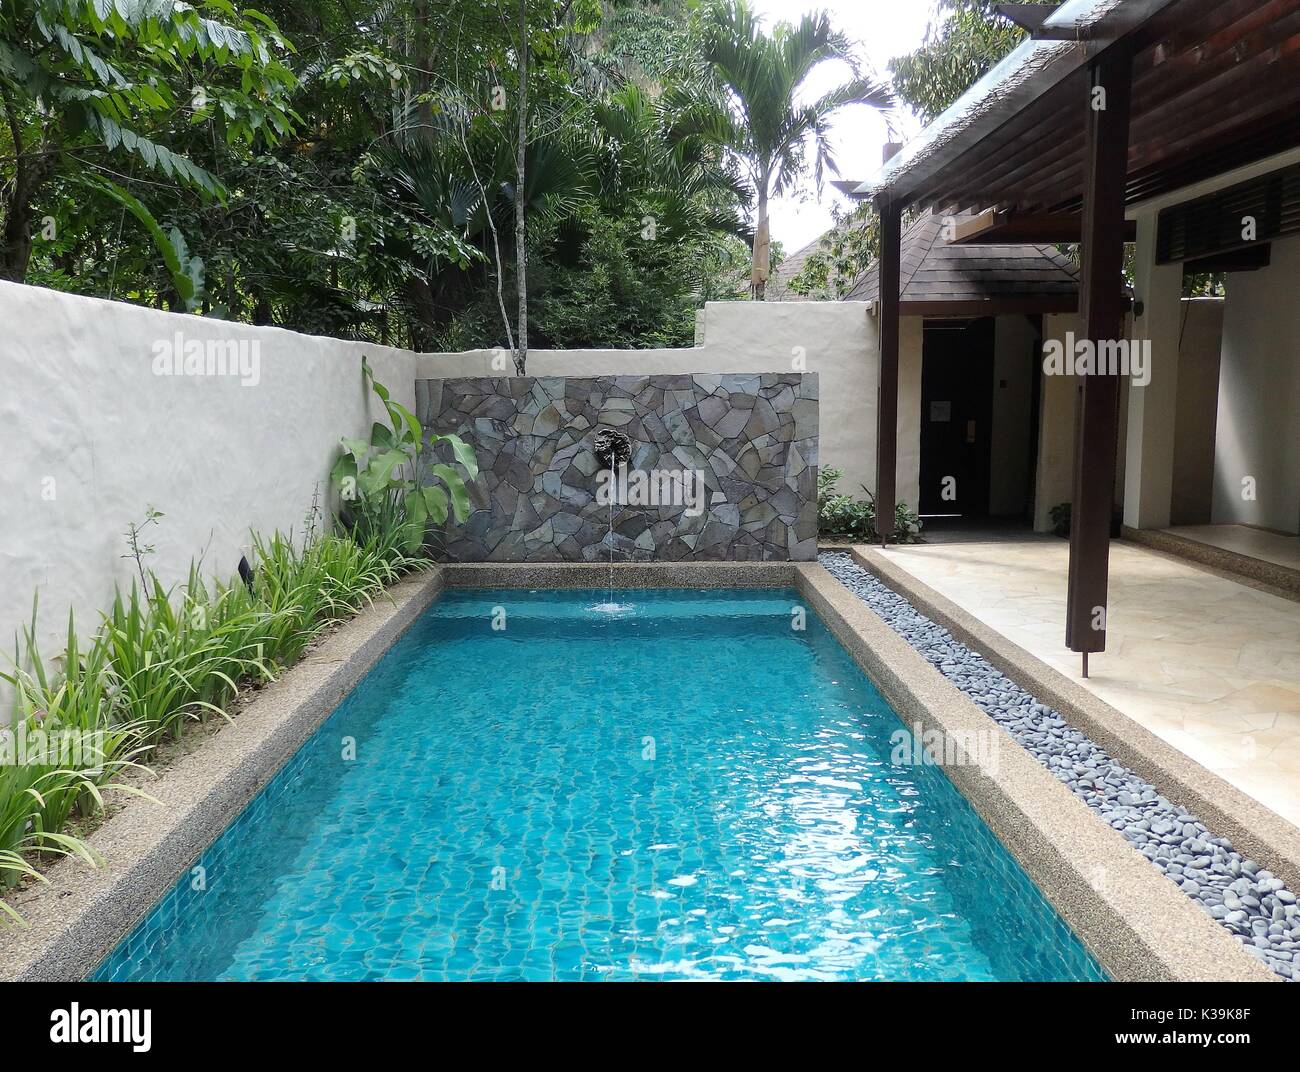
{"x": 943, "y": 279}
{"x": 1216, "y": 86}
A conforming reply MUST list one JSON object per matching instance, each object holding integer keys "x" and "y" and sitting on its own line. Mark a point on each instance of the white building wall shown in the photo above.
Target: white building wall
{"x": 1151, "y": 412}
{"x": 911, "y": 344}
{"x": 90, "y": 437}
{"x": 1054, "y": 480}
{"x": 1258, "y": 431}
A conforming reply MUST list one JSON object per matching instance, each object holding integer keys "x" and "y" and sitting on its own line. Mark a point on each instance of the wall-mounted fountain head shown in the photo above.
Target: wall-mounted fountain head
{"x": 612, "y": 448}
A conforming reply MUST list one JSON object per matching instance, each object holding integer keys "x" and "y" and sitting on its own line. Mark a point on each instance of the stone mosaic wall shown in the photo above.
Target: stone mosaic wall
{"x": 753, "y": 437}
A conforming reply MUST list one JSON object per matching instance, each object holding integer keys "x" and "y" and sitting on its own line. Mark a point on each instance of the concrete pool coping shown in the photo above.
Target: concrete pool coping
{"x": 1135, "y": 922}
{"x": 76, "y": 919}
{"x": 1253, "y": 828}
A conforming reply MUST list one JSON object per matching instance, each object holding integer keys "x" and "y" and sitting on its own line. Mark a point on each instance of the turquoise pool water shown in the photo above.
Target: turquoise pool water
{"x": 692, "y": 789}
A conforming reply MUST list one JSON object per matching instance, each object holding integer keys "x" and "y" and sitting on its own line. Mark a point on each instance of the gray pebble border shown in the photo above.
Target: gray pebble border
{"x": 1254, "y": 906}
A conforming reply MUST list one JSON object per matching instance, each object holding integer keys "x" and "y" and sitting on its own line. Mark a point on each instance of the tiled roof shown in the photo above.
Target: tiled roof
{"x": 778, "y": 285}
{"x": 932, "y": 270}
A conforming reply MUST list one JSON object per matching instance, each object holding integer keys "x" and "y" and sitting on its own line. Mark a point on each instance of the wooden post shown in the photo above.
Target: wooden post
{"x": 891, "y": 238}
{"x": 1101, "y": 311}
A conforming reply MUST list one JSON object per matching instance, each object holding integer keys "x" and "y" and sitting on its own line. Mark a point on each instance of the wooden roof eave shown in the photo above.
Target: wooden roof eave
{"x": 1032, "y": 70}
{"x": 1216, "y": 84}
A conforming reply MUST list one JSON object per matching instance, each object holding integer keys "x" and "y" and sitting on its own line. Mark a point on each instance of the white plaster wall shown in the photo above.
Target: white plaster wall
{"x": 1258, "y": 429}
{"x": 911, "y": 342}
{"x": 1151, "y": 410}
{"x": 1054, "y": 478}
{"x": 837, "y": 340}
{"x": 90, "y": 437}
{"x": 1054, "y": 481}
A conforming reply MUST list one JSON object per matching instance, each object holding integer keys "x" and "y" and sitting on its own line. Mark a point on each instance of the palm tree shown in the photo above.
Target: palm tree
{"x": 680, "y": 178}
{"x": 750, "y": 103}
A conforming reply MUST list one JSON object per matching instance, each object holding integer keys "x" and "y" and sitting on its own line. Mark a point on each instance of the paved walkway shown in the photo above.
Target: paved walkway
{"x": 1210, "y": 665}
{"x": 1254, "y": 543}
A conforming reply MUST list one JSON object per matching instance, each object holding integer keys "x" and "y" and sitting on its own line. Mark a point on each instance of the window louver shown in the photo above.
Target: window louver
{"x": 1216, "y": 223}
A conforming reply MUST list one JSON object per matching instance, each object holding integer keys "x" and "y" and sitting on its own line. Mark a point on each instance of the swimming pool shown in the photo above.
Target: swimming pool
{"x": 526, "y": 788}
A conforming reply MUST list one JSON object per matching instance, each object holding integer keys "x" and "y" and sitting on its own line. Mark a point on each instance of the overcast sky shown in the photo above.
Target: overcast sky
{"x": 884, "y": 29}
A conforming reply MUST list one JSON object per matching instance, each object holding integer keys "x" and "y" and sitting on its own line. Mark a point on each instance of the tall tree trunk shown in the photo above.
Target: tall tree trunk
{"x": 421, "y": 60}
{"x": 424, "y": 319}
{"x": 496, "y": 243}
{"x": 263, "y": 314}
{"x": 762, "y": 259}
{"x": 16, "y": 239}
{"x": 31, "y": 169}
{"x": 521, "y": 250}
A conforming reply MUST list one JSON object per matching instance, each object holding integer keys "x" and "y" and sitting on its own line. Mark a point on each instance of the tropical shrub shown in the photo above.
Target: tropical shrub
{"x": 34, "y": 801}
{"x": 161, "y": 658}
{"x": 1061, "y": 513}
{"x": 386, "y": 483}
{"x": 842, "y": 515}
{"x": 268, "y": 165}
{"x": 325, "y": 582}
{"x": 43, "y": 783}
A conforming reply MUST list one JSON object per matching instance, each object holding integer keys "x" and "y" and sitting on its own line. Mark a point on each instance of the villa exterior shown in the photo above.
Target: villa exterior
{"x": 1174, "y": 122}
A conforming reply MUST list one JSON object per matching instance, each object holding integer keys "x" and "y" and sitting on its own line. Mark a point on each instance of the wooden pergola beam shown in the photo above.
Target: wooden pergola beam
{"x": 994, "y": 227}
{"x": 1102, "y": 316}
{"x": 1216, "y": 84}
{"x": 891, "y": 252}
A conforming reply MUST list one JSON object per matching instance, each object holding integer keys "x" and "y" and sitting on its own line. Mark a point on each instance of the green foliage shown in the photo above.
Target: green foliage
{"x": 161, "y": 659}
{"x": 623, "y": 290}
{"x": 51, "y": 785}
{"x": 363, "y": 207}
{"x": 1200, "y": 284}
{"x": 108, "y": 68}
{"x": 117, "y": 86}
{"x": 965, "y": 42}
{"x": 851, "y": 246}
{"x": 186, "y": 272}
{"x": 752, "y": 83}
{"x": 842, "y": 515}
{"x": 746, "y": 98}
{"x": 387, "y": 483}
{"x": 646, "y": 41}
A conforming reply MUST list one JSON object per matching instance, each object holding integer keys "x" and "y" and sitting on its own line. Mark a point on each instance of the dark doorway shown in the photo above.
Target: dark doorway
{"x": 956, "y": 417}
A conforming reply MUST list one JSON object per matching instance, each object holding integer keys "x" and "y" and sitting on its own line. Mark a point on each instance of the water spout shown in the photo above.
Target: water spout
{"x": 613, "y": 448}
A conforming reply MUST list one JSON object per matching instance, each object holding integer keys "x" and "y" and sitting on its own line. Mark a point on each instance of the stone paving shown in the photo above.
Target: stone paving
{"x": 1208, "y": 664}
